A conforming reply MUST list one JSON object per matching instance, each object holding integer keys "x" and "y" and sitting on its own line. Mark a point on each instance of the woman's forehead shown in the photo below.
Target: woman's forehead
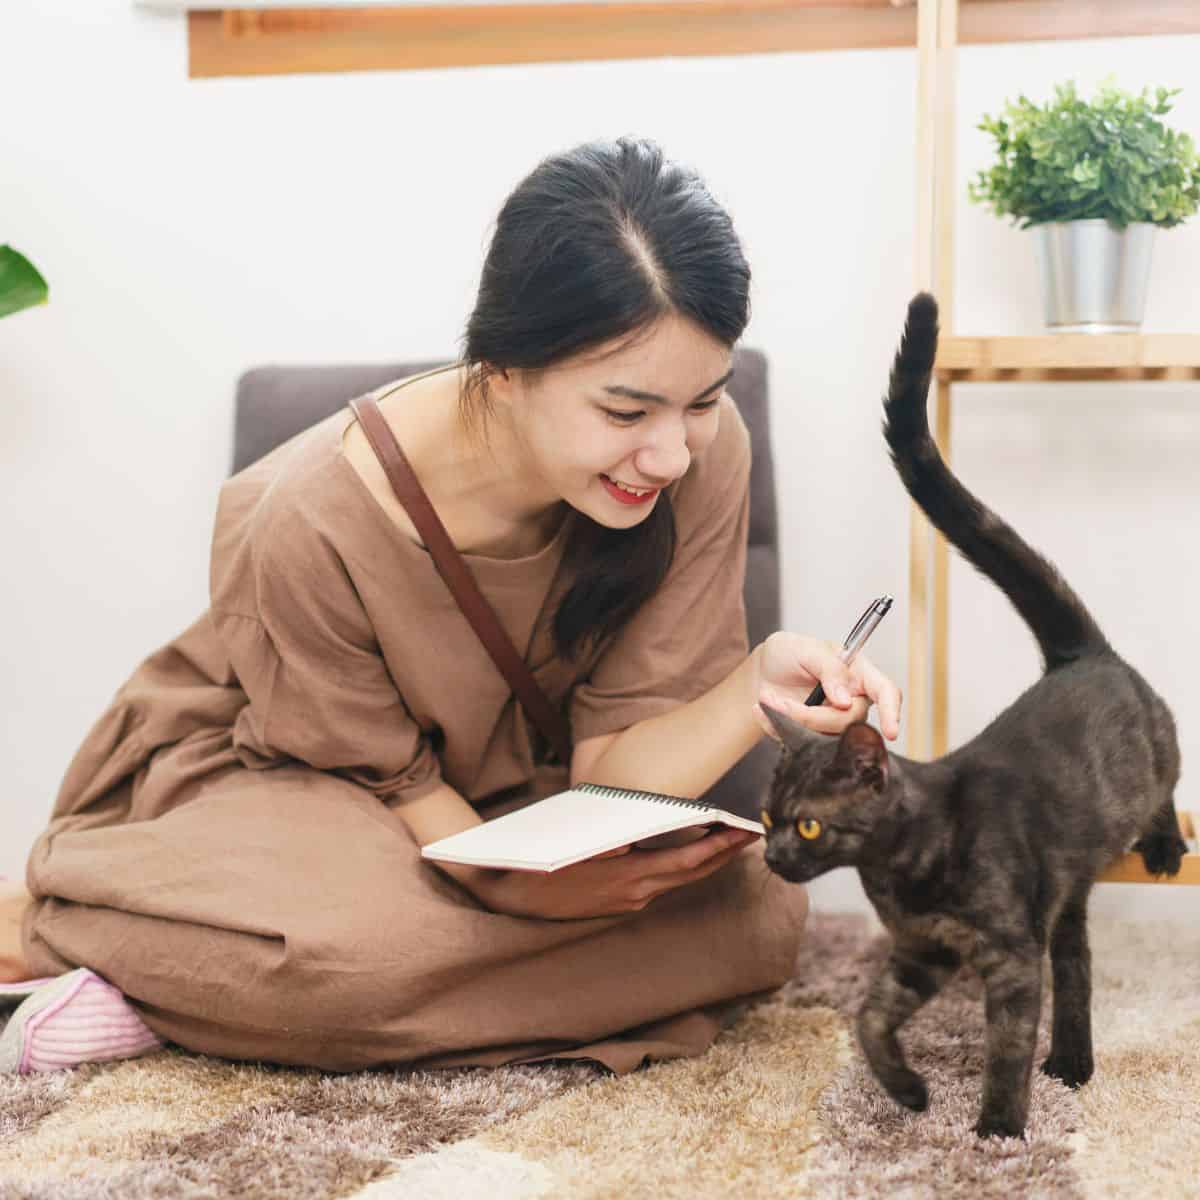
{"x": 672, "y": 358}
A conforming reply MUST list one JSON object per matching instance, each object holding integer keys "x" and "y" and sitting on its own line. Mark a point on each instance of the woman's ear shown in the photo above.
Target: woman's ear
{"x": 504, "y": 384}
{"x": 493, "y": 375}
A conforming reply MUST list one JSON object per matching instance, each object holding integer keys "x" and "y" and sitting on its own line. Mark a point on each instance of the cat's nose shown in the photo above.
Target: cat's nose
{"x": 785, "y": 867}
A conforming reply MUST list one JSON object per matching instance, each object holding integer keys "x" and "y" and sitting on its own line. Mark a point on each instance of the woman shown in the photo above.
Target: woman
{"x": 233, "y": 860}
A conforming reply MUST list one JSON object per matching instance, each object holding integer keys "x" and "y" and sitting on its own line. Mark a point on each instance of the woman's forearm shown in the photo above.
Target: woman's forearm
{"x": 438, "y": 814}
{"x": 685, "y": 751}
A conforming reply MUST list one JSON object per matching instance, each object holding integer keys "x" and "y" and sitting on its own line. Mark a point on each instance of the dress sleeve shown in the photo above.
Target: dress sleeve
{"x": 306, "y": 655}
{"x": 692, "y": 632}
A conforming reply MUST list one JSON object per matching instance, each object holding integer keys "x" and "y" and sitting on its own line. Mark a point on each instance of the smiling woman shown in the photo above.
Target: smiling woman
{"x": 236, "y": 844}
{"x": 365, "y": 37}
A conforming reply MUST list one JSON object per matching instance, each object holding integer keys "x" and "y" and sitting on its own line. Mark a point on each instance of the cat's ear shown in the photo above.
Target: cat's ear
{"x": 791, "y": 733}
{"x": 862, "y": 755}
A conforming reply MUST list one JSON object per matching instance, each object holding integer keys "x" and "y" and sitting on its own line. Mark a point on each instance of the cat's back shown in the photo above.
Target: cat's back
{"x": 1067, "y": 776}
{"x": 1095, "y": 714}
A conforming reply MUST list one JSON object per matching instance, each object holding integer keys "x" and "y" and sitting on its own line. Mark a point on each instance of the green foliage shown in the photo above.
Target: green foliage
{"x": 1072, "y": 160}
{"x": 21, "y": 286}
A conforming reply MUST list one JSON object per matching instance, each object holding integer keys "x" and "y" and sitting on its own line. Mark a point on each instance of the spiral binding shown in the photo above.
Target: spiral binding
{"x": 611, "y": 793}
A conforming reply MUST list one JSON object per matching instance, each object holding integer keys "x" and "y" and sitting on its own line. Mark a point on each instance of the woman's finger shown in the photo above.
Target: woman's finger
{"x": 820, "y": 718}
{"x": 657, "y": 885}
{"x": 883, "y": 693}
{"x": 821, "y": 660}
{"x": 793, "y": 663}
{"x": 654, "y": 863}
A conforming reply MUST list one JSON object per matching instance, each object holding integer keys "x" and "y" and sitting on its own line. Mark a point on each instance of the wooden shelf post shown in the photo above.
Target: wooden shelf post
{"x": 937, "y": 38}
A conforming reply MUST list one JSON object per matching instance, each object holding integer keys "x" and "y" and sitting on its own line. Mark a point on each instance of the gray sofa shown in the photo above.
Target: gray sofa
{"x": 275, "y": 403}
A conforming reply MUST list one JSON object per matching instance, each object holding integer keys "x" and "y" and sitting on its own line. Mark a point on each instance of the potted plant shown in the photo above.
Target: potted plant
{"x": 21, "y": 285}
{"x": 1094, "y": 180}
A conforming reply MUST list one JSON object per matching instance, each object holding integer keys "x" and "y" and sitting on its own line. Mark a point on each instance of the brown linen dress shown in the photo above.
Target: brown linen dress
{"x": 226, "y": 847}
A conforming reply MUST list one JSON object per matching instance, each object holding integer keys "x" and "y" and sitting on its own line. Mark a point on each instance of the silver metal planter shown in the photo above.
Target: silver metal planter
{"x": 1094, "y": 275}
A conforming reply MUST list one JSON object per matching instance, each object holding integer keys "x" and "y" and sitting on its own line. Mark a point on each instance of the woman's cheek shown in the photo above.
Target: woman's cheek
{"x": 704, "y": 434}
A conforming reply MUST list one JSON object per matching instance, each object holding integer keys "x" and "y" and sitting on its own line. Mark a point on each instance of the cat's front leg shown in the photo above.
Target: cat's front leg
{"x": 1013, "y": 989}
{"x": 912, "y": 974}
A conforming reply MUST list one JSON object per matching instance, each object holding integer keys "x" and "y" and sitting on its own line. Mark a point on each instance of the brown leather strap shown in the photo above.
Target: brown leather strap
{"x": 459, "y": 580}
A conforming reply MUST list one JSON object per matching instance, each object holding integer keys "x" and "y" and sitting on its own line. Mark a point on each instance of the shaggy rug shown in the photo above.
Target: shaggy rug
{"x": 781, "y": 1106}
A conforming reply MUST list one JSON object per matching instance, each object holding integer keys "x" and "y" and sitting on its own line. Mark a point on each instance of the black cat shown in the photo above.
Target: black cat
{"x": 986, "y": 857}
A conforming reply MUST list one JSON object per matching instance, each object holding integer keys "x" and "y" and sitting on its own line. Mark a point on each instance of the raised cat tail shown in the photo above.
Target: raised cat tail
{"x": 1063, "y": 627}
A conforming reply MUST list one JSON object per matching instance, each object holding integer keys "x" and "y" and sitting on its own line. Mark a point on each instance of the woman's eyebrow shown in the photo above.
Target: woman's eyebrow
{"x": 653, "y": 397}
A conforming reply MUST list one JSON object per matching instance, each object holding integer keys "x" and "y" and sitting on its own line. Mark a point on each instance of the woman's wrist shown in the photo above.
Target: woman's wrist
{"x": 479, "y": 881}
{"x": 754, "y": 673}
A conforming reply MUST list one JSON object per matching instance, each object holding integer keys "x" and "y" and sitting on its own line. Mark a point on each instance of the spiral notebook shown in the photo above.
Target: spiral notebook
{"x": 578, "y": 824}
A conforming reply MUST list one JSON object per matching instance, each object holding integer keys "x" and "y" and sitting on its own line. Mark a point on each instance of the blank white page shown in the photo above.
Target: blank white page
{"x": 575, "y": 825}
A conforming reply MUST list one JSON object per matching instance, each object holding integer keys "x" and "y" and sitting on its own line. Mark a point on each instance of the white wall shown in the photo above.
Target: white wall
{"x": 191, "y": 229}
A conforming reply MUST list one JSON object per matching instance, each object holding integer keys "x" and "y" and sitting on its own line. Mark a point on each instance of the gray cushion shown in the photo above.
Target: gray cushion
{"x": 275, "y": 403}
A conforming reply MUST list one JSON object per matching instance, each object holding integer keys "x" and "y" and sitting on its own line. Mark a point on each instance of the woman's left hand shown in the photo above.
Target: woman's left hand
{"x": 790, "y": 665}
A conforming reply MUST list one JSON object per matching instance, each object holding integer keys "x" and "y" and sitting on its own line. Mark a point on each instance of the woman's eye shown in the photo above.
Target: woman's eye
{"x": 624, "y": 417}
{"x": 808, "y": 829}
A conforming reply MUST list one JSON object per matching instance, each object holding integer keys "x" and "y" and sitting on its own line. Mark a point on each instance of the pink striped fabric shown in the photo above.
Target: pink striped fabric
{"x": 85, "y": 1019}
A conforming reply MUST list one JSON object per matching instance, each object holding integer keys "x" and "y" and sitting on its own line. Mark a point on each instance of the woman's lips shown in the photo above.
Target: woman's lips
{"x": 626, "y": 497}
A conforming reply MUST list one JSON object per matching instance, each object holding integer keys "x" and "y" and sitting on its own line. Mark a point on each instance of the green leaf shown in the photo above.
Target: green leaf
{"x": 21, "y": 285}
{"x": 1108, "y": 158}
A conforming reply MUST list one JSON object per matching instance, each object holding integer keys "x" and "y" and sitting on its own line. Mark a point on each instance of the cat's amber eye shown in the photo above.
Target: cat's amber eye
{"x": 808, "y": 829}
{"x": 766, "y": 818}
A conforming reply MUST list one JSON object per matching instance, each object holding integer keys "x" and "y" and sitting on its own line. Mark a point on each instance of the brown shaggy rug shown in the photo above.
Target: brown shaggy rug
{"x": 781, "y": 1106}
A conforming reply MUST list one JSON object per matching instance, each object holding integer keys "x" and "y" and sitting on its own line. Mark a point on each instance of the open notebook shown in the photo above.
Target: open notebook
{"x": 575, "y": 825}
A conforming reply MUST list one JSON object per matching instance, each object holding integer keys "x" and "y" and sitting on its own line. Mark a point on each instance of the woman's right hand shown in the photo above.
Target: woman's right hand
{"x": 621, "y": 881}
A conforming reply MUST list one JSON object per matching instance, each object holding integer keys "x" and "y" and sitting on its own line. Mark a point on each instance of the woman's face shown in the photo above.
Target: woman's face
{"x": 608, "y": 430}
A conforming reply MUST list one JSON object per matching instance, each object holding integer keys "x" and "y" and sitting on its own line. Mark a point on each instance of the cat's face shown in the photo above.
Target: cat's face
{"x": 826, "y": 799}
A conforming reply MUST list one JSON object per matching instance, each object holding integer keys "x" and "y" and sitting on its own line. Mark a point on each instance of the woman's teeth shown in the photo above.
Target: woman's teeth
{"x": 626, "y": 488}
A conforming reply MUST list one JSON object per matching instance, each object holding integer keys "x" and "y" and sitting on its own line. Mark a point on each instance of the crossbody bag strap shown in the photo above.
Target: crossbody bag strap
{"x": 458, "y": 578}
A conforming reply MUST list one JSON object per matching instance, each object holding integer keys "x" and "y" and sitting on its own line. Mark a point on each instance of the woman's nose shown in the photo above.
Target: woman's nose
{"x": 664, "y": 460}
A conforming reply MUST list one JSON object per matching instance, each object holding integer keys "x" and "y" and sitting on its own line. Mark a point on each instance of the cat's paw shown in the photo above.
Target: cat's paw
{"x": 1073, "y": 1069}
{"x": 1162, "y": 852}
{"x": 909, "y": 1089}
{"x": 993, "y": 1126}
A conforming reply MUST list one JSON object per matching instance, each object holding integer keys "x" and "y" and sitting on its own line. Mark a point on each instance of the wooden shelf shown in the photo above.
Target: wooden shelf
{"x": 1067, "y": 356}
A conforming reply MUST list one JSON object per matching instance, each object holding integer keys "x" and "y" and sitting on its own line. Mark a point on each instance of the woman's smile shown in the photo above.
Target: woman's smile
{"x": 625, "y": 493}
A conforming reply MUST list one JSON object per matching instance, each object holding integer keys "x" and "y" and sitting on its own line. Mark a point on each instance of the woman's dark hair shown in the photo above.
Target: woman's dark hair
{"x": 596, "y": 244}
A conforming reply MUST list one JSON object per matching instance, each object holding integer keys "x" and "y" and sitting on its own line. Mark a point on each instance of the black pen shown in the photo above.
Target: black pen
{"x": 856, "y": 639}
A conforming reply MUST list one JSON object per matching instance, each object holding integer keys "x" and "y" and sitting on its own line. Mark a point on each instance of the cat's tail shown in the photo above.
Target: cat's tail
{"x": 1064, "y": 628}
